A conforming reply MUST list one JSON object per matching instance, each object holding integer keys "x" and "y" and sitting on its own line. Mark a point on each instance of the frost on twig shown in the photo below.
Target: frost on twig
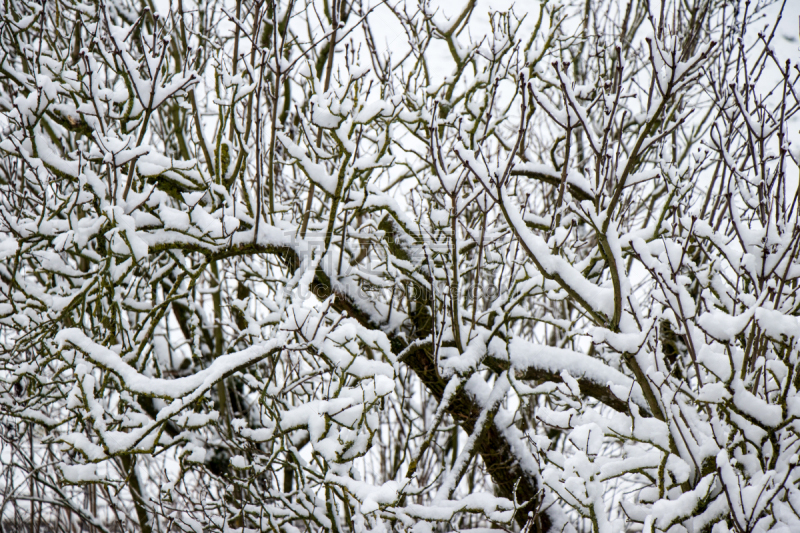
{"x": 359, "y": 266}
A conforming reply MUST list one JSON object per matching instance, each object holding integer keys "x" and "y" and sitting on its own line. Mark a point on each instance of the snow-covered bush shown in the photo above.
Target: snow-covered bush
{"x": 295, "y": 265}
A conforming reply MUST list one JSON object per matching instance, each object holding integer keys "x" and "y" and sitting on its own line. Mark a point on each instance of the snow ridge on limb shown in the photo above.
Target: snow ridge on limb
{"x": 168, "y": 389}
{"x": 533, "y": 361}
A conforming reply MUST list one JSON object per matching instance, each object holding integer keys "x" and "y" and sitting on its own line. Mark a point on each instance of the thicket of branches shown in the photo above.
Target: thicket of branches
{"x": 263, "y": 270}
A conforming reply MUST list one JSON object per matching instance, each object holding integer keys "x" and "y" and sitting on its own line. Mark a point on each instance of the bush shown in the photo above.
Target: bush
{"x": 345, "y": 266}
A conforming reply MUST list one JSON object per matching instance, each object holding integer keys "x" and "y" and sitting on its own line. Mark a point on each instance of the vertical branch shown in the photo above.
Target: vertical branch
{"x": 326, "y": 86}
{"x": 455, "y": 305}
{"x": 129, "y": 466}
{"x": 222, "y": 389}
{"x": 477, "y": 274}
